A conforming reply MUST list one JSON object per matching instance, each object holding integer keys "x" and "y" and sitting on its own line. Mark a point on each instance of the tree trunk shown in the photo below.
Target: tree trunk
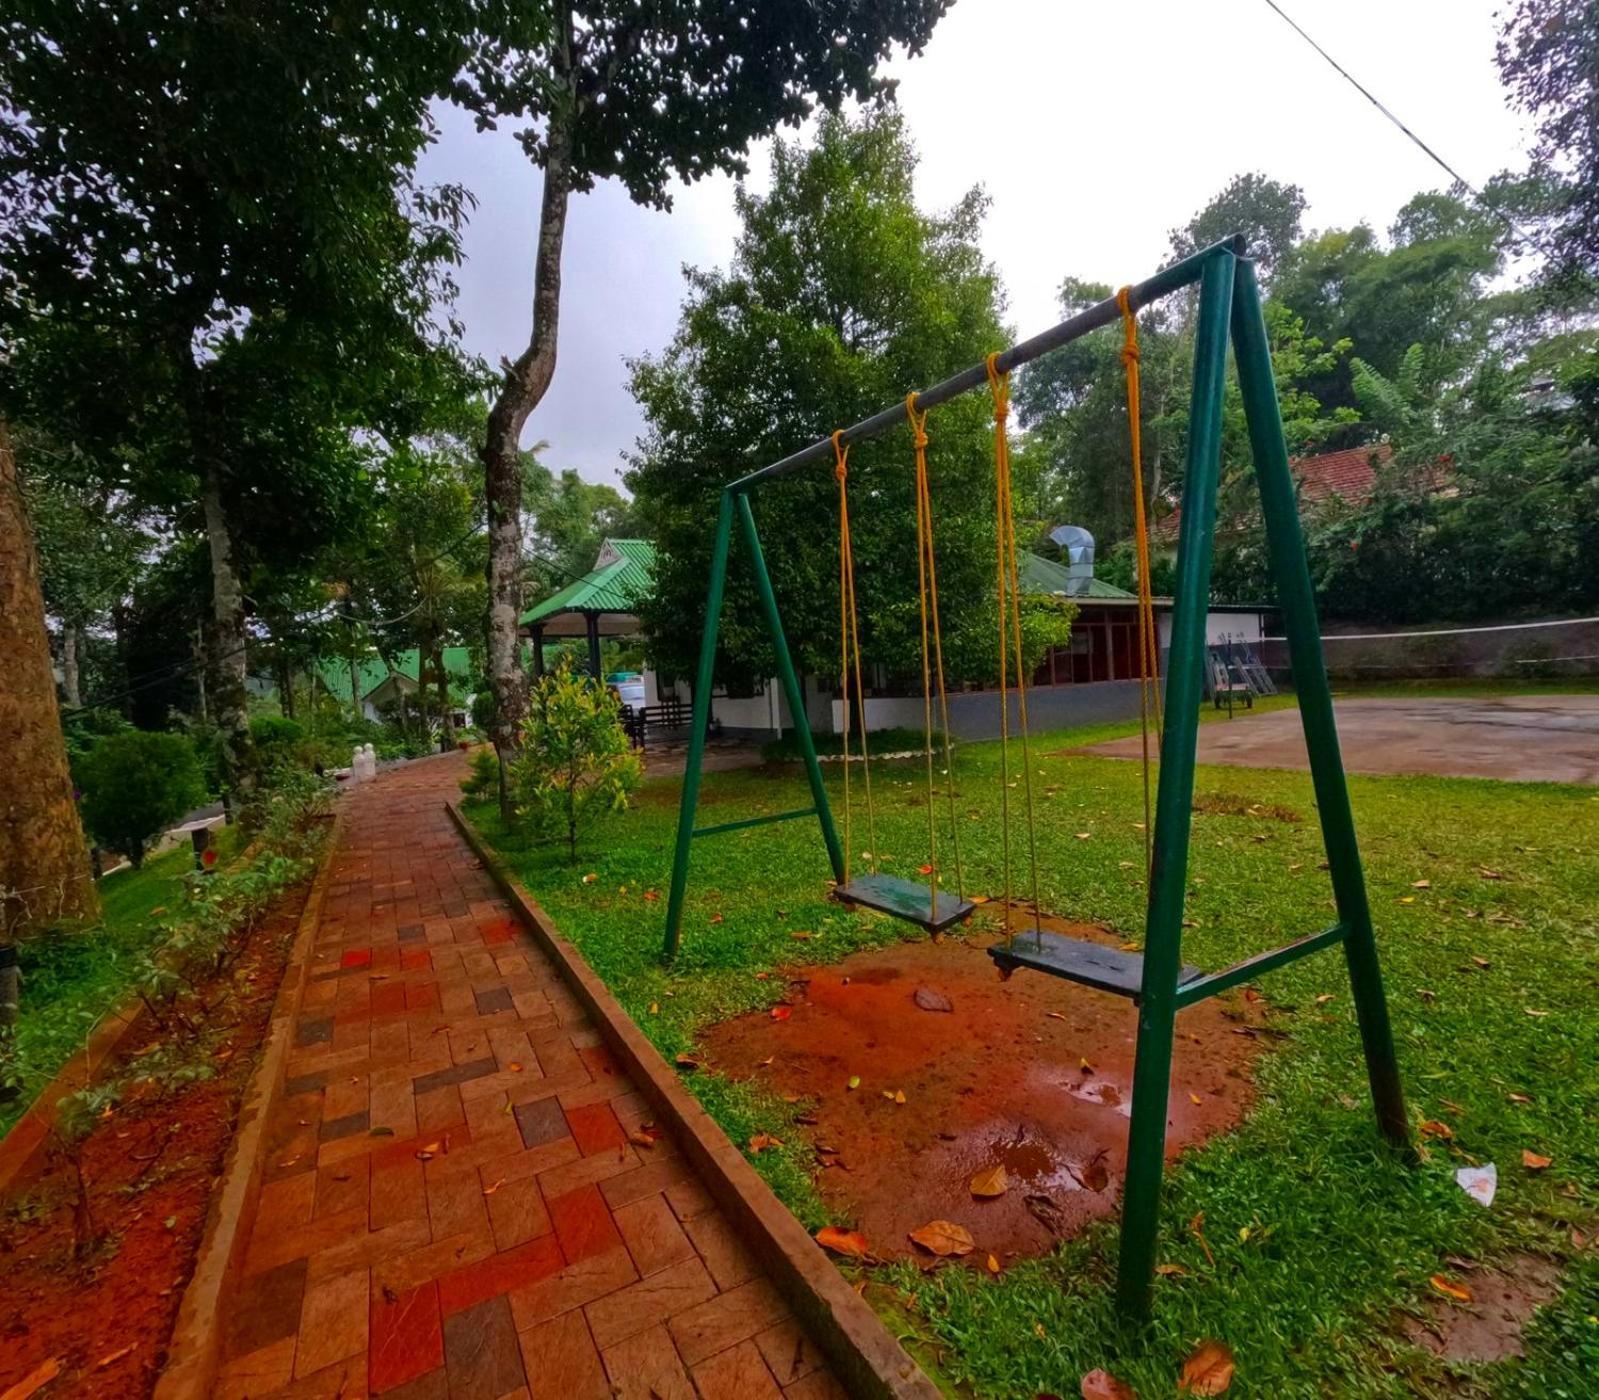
{"x": 202, "y": 663}
{"x": 69, "y": 665}
{"x": 446, "y": 709}
{"x": 524, "y": 386}
{"x": 355, "y": 689}
{"x": 231, "y": 665}
{"x": 286, "y": 688}
{"x": 44, "y": 864}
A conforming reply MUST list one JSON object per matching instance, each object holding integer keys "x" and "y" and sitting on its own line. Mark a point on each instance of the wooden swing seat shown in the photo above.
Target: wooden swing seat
{"x": 905, "y": 899}
{"x": 1077, "y": 960}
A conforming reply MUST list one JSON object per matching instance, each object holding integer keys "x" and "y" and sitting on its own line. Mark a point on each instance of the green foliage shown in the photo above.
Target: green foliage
{"x": 135, "y": 784}
{"x": 843, "y": 295}
{"x": 483, "y": 776}
{"x": 575, "y": 765}
{"x": 1548, "y": 57}
{"x": 1266, "y": 211}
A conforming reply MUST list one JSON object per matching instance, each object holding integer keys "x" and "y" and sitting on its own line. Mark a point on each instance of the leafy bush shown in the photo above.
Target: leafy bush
{"x": 485, "y": 775}
{"x": 135, "y": 784}
{"x": 575, "y": 764}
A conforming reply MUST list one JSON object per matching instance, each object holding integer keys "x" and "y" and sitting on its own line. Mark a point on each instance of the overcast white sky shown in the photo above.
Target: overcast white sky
{"x": 1095, "y": 128}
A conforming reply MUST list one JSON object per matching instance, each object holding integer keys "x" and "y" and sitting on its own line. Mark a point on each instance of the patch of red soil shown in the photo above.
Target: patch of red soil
{"x": 151, "y": 1169}
{"x": 1033, "y": 1074}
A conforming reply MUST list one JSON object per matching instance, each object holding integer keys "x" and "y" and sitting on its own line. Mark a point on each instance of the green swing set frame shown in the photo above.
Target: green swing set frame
{"x": 1157, "y": 981}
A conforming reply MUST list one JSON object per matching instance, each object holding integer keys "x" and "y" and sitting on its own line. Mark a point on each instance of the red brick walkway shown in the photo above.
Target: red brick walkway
{"x": 452, "y": 1202}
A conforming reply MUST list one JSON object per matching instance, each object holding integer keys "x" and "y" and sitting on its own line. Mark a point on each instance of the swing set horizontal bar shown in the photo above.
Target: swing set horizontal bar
{"x": 755, "y": 821}
{"x": 1190, "y": 992}
{"x": 1163, "y": 283}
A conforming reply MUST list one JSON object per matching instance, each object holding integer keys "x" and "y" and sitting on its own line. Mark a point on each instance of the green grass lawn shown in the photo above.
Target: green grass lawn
{"x": 1320, "y": 1243}
{"x": 71, "y": 978}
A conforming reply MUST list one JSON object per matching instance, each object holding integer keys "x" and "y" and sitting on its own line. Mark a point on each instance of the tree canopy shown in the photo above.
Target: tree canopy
{"x": 843, "y": 294}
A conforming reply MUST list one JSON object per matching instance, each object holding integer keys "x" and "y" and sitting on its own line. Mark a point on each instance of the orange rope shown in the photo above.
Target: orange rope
{"x": 1010, "y": 631}
{"x": 849, "y": 634}
{"x": 1148, "y": 648}
{"x": 927, "y": 580}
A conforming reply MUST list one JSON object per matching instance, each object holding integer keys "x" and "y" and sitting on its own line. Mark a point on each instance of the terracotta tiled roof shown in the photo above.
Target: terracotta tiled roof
{"x": 1349, "y": 475}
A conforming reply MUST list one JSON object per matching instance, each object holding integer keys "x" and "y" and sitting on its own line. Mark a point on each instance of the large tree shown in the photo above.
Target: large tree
{"x": 208, "y": 219}
{"x": 645, "y": 94}
{"x": 843, "y": 295}
{"x": 1549, "y": 59}
{"x": 44, "y": 871}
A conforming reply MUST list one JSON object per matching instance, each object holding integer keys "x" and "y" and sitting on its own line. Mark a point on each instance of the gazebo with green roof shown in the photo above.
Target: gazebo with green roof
{"x": 603, "y": 603}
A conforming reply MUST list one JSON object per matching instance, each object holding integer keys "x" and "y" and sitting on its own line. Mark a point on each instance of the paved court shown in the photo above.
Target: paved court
{"x": 1519, "y": 738}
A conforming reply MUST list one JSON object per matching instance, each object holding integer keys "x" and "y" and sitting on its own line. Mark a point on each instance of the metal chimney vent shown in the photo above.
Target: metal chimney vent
{"x": 1077, "y": 549}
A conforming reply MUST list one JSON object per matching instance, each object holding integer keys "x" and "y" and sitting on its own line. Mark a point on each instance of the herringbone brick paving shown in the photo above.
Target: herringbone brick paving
{"x": 453, "y": 1203}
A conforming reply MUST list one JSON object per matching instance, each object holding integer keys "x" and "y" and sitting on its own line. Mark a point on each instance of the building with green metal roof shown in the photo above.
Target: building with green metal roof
{"x": 603, "y": 603}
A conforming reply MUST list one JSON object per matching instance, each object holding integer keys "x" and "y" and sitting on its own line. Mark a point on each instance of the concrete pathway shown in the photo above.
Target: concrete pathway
{"x": 453, "y": 1202}
{"x": 1517, "y": 738}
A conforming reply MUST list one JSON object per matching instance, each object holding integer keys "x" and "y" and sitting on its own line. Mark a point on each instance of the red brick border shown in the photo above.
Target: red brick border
{"x": 870, "y": 1361}
{"x": 193, "y": 1351}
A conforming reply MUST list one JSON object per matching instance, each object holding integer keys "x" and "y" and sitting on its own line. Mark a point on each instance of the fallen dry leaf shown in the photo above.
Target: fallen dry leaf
{"x": 1518, "y": 1098}
{"x": 1458, "y": 1291}
{"x": 1208, "y": 1371}
{"x": 761, "y": 1141}
{"x": 1488, "y": 874}
{"x": 1170, "y": 1270}
{"x": 36, "y": 1379}
{"x": 639, "y": 1138}
{"x": 850, "y": 1242}
{"x": 944, "y": 1238}
{"x": 993, "y": 1264}
{"x": 992, "y": 1181}
{"x": 1533, "y": 1162}
{"x": 1099, "y": 1384}
{"x": 1095, "y": 1176}
{"x": 1433, "y": 1128}
{"x": 590, "y": 878}
{"x": 854, "y": 1082}
{"x": 782, "y": 1013}
{"x": 687, "y": 1062}
{"x": 929, "y": 1000}
{"x": 716, "y": 918}
{"x": 802, "y": 934}
{"x": 491, "y": 1189}
{"x": 1324, "y": 998}
{"x": 105, "y": 1361}
{"x": 1421, "y": 884}
{"x": 1054, "y": 1016}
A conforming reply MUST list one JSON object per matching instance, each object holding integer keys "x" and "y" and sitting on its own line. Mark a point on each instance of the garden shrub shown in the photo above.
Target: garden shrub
{"x": 576, "y": 764}
{"x": 485, "y": 775}
{"x": 135, "y": 784}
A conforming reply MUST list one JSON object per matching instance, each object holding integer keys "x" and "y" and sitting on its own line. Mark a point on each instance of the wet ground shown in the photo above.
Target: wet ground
{"x": 1517, "y": 738}
{"x": 1033, "y": 1074}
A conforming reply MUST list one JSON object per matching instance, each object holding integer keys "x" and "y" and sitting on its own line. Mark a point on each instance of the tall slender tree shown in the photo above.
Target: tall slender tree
{"x": 646, "y": 94}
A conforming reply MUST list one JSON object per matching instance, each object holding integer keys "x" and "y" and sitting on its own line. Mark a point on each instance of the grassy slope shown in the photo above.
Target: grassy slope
{"x": 1319, "y": 1240}
{"x": 72, "y": 979}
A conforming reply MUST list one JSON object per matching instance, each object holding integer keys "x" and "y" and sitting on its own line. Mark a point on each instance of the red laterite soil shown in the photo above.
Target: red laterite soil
{"x": 106, "y": 1319}
{"x": 1034, "y": 1074}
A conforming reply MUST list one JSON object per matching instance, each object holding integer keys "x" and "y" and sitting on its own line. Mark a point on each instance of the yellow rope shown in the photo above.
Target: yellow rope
{"x": 1148, "y": 648}
{"x": 849, "y": 635}
{"x": 1010, "y": 631}
{"x": 927, "y": 579}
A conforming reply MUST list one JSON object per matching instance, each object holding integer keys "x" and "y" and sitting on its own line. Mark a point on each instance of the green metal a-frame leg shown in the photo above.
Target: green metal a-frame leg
{"x": 1228, "y": 293}
{"x": 1228, "y": 301}
{"x": 738, "y": 500}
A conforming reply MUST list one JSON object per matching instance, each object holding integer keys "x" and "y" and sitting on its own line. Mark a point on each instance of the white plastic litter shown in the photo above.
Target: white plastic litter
{"x": 1479, "y": 1183}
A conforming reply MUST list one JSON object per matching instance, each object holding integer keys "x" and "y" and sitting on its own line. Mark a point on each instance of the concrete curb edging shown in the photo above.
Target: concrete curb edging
{"x": 869, "y": 1361}
{"x": 191, "y": 1363}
